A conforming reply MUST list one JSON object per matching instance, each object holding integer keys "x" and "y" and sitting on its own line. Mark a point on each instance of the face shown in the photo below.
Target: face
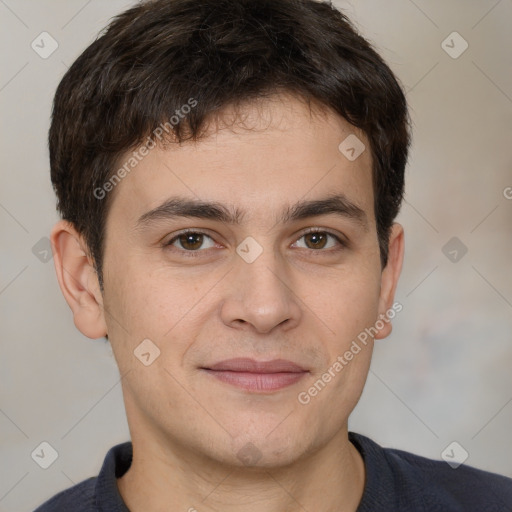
{"x": 246, "y": 280}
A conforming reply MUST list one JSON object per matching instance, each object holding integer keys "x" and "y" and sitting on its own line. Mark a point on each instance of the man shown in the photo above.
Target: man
{"x": 228, "y": 173}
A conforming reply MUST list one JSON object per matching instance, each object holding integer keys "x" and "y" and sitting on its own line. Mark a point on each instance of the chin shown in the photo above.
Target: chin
{"x": 261, "y": 450}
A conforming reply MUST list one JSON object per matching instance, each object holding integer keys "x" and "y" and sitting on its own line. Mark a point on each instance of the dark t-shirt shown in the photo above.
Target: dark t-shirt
{"x": 396, "y": 481}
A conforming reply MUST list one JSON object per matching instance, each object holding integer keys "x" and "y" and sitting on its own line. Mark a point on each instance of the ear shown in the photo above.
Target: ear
{"x": 389, "y": 278}
{"x": 78, "y": 280}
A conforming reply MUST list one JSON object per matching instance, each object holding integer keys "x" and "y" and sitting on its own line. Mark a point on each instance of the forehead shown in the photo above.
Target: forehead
{"x": 254, "y": 160}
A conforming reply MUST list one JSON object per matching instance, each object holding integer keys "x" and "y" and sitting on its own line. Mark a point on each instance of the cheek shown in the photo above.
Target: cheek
{"x": 333, "y": 390}
{"x": 348, "y": 303}
{"x": 148, "y": 303}
{"x": 137, "y": 295}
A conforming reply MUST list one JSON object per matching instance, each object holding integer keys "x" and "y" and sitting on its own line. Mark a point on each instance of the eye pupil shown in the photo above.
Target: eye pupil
{"x": 318, "y": 237}
{"x": 187, "y": 240}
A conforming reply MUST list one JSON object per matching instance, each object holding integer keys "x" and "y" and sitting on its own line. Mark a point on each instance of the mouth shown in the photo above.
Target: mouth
{"x": 257, "y": 376}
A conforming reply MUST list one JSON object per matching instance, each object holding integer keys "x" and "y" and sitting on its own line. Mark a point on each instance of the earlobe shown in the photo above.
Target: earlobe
{"x": 389, "y": 278}
{"x": 78, "y": 280}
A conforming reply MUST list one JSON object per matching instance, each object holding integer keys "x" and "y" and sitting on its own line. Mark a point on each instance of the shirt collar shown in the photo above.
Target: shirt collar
{"x": 376, "y": 490}
{"x": 116, "y": 464}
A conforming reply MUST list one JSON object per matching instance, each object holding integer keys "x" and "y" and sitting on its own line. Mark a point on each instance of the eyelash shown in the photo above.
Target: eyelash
{"x": 196, "y": 253}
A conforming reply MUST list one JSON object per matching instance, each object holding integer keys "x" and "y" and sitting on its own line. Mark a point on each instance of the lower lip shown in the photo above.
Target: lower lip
{"x": 258, "y": 381}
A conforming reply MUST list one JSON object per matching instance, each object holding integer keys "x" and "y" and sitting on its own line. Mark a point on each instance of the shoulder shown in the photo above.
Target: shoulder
{"x": 463, "y": 485}
{"x": 79, "y": 498}
{"x": 434, "y": 484}
{"x": 95, "y": 493}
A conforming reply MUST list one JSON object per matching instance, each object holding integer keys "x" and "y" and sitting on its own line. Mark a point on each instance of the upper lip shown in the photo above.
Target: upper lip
{"x": 243, "y": 364}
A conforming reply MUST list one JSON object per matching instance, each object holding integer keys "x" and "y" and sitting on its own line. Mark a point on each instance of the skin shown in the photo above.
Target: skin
{"x": 296, "y": 301}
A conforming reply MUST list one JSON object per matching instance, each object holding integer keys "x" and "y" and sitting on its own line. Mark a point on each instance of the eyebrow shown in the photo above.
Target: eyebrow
{"x": 177, "y": 207}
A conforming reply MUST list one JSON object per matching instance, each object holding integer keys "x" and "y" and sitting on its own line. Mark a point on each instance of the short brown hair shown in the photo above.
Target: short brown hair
{"x": 153, "y": 58}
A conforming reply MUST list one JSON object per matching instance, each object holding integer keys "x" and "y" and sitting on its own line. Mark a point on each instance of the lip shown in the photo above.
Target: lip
{"x": 257, "y": 376}
{"x": 248, "y": 365}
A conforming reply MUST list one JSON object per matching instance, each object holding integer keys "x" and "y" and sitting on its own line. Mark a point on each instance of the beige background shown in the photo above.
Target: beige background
{"x": 444, "y": 374}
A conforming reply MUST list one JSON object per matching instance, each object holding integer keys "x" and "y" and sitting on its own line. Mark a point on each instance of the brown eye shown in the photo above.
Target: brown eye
{"x": 189, "y": 241}
{"x": 316, "y": 240}
{"x": 192, "y": 241}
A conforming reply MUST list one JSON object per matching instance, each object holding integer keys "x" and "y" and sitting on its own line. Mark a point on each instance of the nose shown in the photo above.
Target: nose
{"x": 260, "y": 295}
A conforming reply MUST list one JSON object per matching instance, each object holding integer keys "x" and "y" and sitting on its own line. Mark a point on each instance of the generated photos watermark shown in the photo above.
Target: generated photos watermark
{"x": 304, "y": 397}
{"x": 143, "y": 151}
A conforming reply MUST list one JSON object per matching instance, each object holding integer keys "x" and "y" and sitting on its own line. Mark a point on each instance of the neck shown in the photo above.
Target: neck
{"x": 166, "y": 476}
